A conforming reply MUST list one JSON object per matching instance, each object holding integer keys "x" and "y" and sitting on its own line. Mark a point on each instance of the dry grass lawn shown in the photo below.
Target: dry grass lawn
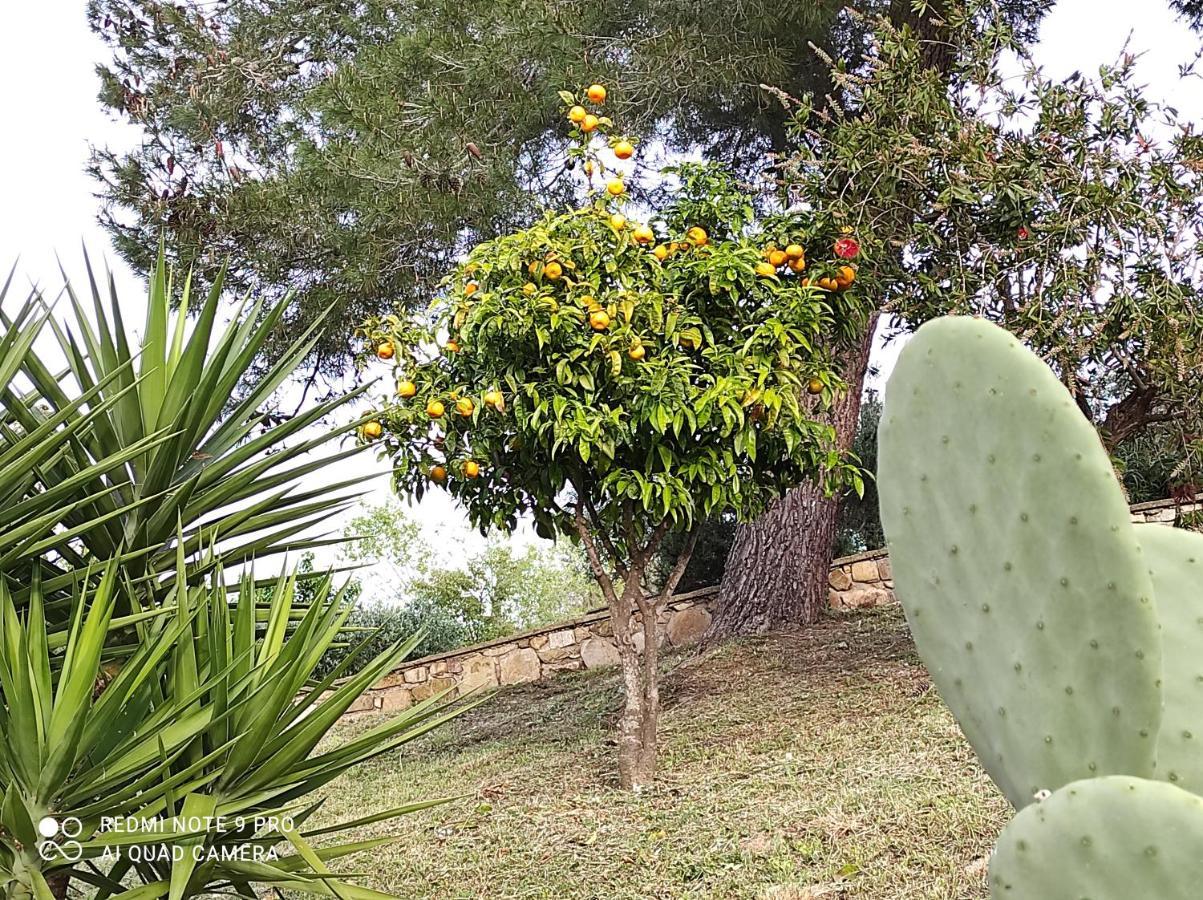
{"x": 812, "y": 765}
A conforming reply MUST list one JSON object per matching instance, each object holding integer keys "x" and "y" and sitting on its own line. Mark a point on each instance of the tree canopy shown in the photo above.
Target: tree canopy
{"x": 350, "y": 151}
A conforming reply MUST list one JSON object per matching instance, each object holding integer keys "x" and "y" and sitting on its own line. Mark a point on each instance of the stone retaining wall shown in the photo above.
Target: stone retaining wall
{"x": 855, "y": 582}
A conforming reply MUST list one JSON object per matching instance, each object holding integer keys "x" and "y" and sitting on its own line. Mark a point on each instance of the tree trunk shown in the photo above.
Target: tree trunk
{"x": 636, "y": 761}
{"x": 776, "y": 572}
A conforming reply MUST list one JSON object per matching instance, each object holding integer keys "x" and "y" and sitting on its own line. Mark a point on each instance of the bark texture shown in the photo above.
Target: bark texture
{"x": 776, "y": 572}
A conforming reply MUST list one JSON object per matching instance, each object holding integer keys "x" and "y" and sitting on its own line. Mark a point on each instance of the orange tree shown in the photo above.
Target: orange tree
{"x": 619, "y": 381}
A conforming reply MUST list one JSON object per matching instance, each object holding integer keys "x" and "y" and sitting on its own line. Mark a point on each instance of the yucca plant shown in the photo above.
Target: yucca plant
{"x": 162, "y": 432}
{"x": 136, "y": 684}
{"x": 208, "y": 731}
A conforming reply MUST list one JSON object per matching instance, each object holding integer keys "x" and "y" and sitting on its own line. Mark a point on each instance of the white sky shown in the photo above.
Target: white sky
{"x": 49, "y": 116}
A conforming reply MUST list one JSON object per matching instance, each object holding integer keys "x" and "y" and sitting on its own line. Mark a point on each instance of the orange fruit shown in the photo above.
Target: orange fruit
{"x": 385, "y": 349}
{"x": 596, "y": 93}
{"x": 438, "y": 474}
{"x": 372, "y": 430}
{"x": 777, "y": 258}
{"x": 529, "y": 289}
{"x": 795, "y": 251}
{"x": 553, "y": 270}
{"x": 766, "y": 270}
{"x": 471, "y": 288}
{"x": 589, "y": 123}
{"x": 845, "y": 276}
{"x": 452, "y": 346}
{"x": 577, "y": 114}
{"x": 643, "y": 234}
{"x": 494, "y": 400}
{"x": 661, "y": 252}
{"x": 618, "y": 221}
{"x": 698, "y": 236}
{"x": 471, "y": 468}
{"x": 406, "y": 389}
{"x": 828, "y": 284}
{"x": 769, "y": 250}
{"x": 797, "y": 265}
{"x": 599, "y": 320}
{"x": 435, "y": 409}
{"x": 814, "y": 386}
{"x": 637, "y": 352}
{"x": 464, "y": 406}
{"x": 624, "y": 149}
{"x": 615, "y": 187}
{"x": 533, "y": 266}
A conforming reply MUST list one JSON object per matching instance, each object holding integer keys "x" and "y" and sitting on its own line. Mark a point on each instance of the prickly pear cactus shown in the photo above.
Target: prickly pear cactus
{"x": 1175, "y": 561}
{"x": 1113, "y": 838}
{"x": 1016, "y": 562}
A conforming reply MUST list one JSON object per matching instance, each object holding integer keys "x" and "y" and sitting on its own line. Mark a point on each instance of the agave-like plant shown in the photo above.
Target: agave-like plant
{"x": 154, "y": 439}
{"x": 196, "y": 760}
{"x": 136, "y": 685}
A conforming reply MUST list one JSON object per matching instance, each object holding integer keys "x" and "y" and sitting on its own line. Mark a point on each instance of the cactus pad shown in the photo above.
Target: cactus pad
{"x": 1016, "y": 562}
{"x": 1175, "y": 561}
{"x": 1115, "y": 838}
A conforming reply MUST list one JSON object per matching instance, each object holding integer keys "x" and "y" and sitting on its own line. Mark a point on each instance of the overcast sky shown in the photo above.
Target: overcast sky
{"x": 50, "y": 116}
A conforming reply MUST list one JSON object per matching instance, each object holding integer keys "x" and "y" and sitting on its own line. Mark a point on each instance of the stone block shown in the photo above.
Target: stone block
{"x": 864, "y": 570}
{"x": 392, "y": 679}
{"x": 362, "y": 703}
{"x": 840, "y": 578}
{"x": 564, "y": 638}
{"x": 396, "y": 699}
{"x": 835, "y": 599}
{"x": 599, "y": 651}
{"x": 519, "y": 666}
{"x": 539, "y": 641}
{"x": 431, "y": 688}
{"x": 884, "y": 572}
{"x": 478, "y": 672}
{"x": 861, "y": 598}
{"x": 558, "y": 654}
{"x": 688, "y": 625}
{"x": 416, "y": 675}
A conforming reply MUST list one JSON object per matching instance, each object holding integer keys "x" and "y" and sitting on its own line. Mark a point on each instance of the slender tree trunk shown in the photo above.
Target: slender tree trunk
{"x": 776, "y": 572}
{"x": 635, "y": 769}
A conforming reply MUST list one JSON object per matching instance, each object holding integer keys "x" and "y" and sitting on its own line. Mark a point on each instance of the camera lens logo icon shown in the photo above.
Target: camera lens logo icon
{"x": 58, "y": 842}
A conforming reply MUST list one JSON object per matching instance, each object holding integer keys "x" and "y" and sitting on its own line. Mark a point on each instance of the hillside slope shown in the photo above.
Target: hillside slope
{"x": 817, "y": 764}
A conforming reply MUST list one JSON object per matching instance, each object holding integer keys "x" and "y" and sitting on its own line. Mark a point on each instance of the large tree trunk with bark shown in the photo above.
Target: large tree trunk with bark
{"x": 776, "y": 572}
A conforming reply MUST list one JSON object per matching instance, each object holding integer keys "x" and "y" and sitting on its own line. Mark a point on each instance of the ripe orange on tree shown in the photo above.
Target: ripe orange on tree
{"x": 406, "y": 389}
{"x": 596, "y": 93}
{"x": 618, "y": 221}
{"x": 385, "y": 349}
{"x": 589, "y": 123}
{"x": 797, "y": 265}
{"x": 846, "y": 276}
{"x": 471, "y": 468}
{"x": 698, "y": 236}
{"x": 435, "y": 409}
{"x": 778, "y": 258}
{"x": 615, "y": 187}
{"x": 529, "y": 289}
{"x": 553, "y": 270}
{"x": 637, "y": 352}
{"x": 814, "y": 386}
{"x": 471, "y": 288}
{"x": 794, "y": 251}
{"x": 577, "y": 114}
{"x": 661, "y": 252}
{"x": 464, "y": 406}
{"x": 643, "y": 234}
{"x": 452, "y": 346}
{"x": 494, "y": 400}
{"x": 599, "y": 320}
{"x": 624, "y": 149}
{"x": 766, "y": 269}
{"x": 372, "y": 430}
{"x": 438, "y": 474}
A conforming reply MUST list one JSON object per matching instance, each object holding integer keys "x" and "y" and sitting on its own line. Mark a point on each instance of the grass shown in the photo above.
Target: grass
{"x": 812, "y": 765}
